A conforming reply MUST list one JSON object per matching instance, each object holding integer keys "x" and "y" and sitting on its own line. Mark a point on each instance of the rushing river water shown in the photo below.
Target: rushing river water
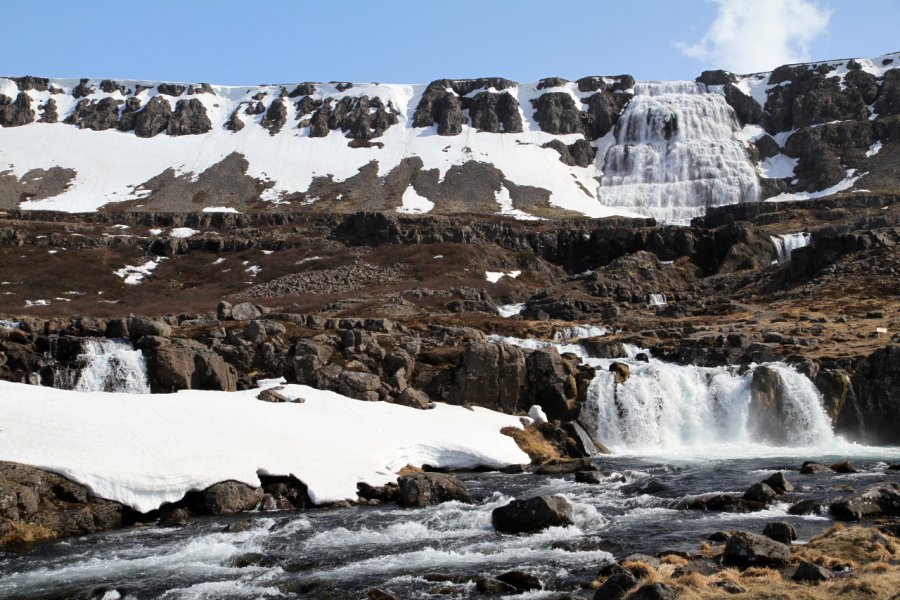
{"x": 337, "y": 553}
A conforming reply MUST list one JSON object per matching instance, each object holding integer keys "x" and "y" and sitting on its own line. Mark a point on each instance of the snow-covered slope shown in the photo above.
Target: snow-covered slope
{"x": 536, "y": 150}
{"x": 146, "y": 449}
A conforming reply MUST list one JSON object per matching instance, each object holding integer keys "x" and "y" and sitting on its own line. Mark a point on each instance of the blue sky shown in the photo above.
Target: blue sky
{"x": 246, "y": 42}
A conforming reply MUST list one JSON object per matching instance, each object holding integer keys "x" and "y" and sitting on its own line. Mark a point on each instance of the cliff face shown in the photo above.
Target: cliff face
{"x": 554, "y": 148}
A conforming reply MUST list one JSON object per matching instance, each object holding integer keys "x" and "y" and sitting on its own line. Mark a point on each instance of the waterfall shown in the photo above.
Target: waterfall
{"x": 658, "y": 300}
{"x": 787, "y": 243}
{"x": 676, "y": 153}
{"x": 663, "y": 406}
{"x": 108, "y": 365}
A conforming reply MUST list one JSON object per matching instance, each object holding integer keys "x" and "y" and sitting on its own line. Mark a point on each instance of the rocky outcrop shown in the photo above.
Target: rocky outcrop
{"x": 804, "y": 95}
{"x": 275, "y": 117}
{"x": 226, "y": 498}
{"x": 880, "y": 499}
{"x": 170, "y": 89}
{"x": 495, "y": 113}
{"x": 189, "y": 118}
{"x": 15, "y": 113}
{"x": 154, "y": 118}
{"x": 180, "y": 364}
{"x": 744, "y": 549}
{"x": 36, "y": 505}
{"x": 873, "y": 413}
{"x": 556, "y": 113}
{"x": 97, "y": 115}
{"x": 532, "y": 515}
{"x": 424, "y": 489}
{"x": 444, "y": 101}
{"x": 49, "y": 113}
{"x": 359, "y": 118}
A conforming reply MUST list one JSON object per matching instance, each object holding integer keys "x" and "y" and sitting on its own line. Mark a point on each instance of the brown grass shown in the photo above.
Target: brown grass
{"x": 25, "y": 533}
{"x": 533, "y": 443}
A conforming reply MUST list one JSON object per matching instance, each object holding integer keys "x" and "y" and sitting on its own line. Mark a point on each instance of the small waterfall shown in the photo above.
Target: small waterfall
{"x": 107, "y": 365}
{"x": 663, "y": 406}
{"x": 658, "y": 300}
{"x": 676, "y": 153}
{"x": 787, "y": 243}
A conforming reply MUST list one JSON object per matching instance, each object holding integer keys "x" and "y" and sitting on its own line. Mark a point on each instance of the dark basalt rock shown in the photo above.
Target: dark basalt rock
{"x": 425, "y": 489}
{"x": 255, "y": 108}
{"x": 129, "y": 114}
{"x": 744, "y": 549}
{"x": 84, "y": 88}
{"x": 873, "y": 413}
{"x": 226, "y": 498}
{"x": 15, "y": 113}
{"x": 551, "y": 82}
{"x": 521, "y": 581}
{"x": 827, "y": 151}
{"x": 275, "y": 117}
{"x": 580, "y": 153}
{"x": 779, "y": 483}
{"x": 872, "y": 501}
{"x": 495, "y": 113}
{"x": 234, "y": 122}
{"x": 153, "y": 119}
{"x": 360, "y": 118}
{"x": 171, "y": 89}
{"x": 745, "y": 107}
{"x": 557, "y": 114}
{"x": 603, "y": 110}
{"x": 440, "y": 106}
{"x": 200, "y": 88}
{"x": 767, "y": 146}
{"x": 616, "y": 587}
{"x": 303, "y": 89}
{"x": 48, "y": 112}
{"x": 594, "y": 83}
{"x": 780, "y": 532}
{"x": 717, "y": 77}
{"x": 887, "y": 101}
{"x": 759, "y": 492}
{"x": 109, "y": 86}
{"x": 809, "y": 99}
{"x": 28, "y": 82}
{"x": 655, "y": 591}
{"x": 807, "y": 571}
{"x": 98, "y": 115}
{"x": 531, "y": 515}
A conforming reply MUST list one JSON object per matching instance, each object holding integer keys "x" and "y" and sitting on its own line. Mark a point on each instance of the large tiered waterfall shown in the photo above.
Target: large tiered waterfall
{"x": 676, "y": 153}
{"x": 106, "y": 365}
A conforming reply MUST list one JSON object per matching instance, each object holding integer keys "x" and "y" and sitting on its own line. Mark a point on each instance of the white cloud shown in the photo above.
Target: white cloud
{"x": 759, "y": 35}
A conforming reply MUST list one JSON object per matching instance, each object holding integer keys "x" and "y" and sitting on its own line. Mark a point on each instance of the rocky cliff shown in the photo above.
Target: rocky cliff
{"x": 555, "y": 148}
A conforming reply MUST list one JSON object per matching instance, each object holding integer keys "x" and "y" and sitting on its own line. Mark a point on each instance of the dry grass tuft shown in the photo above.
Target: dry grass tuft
{"x": 642, "y": 571}
{"x": 533, "y": 443}
{"x": 674, "y": 559}
{"x": 24, "y": 533}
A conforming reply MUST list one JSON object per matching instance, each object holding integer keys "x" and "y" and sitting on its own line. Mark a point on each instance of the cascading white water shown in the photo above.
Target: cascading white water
{"x": 677, "y": 153}
{"x": 658, "y": 300}
{"x": 665, "y": 406}
{"x": 787, "y": 243}
{"x": 111, "y": 366}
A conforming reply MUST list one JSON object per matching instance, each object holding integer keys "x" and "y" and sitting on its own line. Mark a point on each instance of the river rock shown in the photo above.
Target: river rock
{"x": 744, "y": 549}
{"x": 846, "y": 467}
{"x": 616, "y": 587}
{"x": 621, "y": 371}
{"x": 489, "y": 585}
{"x": 872, "y": 501}
{"x": 813, "y": 468}
{"x": 779, "y": 483}
{"x": 532, "y": 514}
{"x": 780, "y": 532}
{"x": 227, "y": 498}
{"x": 521, "y": 581}
{"x": 655, "y": 591}
{"x": 424, "y": 489}
{"x": 593, "y": 477}
{"x": 807, "y": 571}
{"x": 759, "y": 492}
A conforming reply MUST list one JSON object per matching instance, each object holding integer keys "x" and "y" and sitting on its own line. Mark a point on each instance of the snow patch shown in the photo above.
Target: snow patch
{"x": 510, "y": 310}
{"x": 413, "y": 203}
{"x": 221, "y": 209}
{"x": 778, "y": 167}
{"x": 133, "y": 275}
{"x": 128, "y": 448}
{"x": 182, "y": 232}
{"x": 495, "y": 276}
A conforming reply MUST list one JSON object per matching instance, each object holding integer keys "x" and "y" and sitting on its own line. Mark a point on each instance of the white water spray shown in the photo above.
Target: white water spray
{"x": 677, "y": 153}
{"x": 787, "y": 243}
{"x": 112, "y": 366}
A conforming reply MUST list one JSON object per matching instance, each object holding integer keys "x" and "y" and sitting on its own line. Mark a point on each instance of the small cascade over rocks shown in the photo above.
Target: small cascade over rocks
{"x": 787, "y": 243}
{"x": 106, "y": 365}
{"x": 676, "y": 153}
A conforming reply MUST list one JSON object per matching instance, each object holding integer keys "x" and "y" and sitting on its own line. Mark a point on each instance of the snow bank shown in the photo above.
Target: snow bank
{"x": 145, "y": 450}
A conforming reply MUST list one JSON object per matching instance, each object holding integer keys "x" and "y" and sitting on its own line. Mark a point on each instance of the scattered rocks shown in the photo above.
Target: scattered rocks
{"x": 872, "y": 501}
{"x": 780, "y": 532}
{"x": 532, "y": 514}
{"x": 759, "y": 492}
{"x": 616, "y": 587}
{"x": 807, "y": 571}
{"x": 779, "y": 483}
{"x": 814, "y": 468}
{"x": 424, "y": 489}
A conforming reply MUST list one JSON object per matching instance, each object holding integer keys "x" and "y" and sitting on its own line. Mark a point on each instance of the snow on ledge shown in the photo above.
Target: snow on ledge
{"x": 495, "y": 276}
{"x": 145, "y": 450}
{"x": 221, "y": 209}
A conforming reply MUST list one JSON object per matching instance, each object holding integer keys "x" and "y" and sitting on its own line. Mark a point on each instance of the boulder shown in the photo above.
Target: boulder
{"x": 142, "y": 326}
{"x": 616, "y": 587}
{"x": 846, "y": 467}
{"x": 767, "y": 416}
{"x": 655, "y": 591}
{"x": 494, "y": 587}
{"x": 532, "y": 514}
{"x": 813, "y": 468}
{"x": 189, "y": 118}
{"x": 872, "y": 501}
{"x": 424, "y": 489}
{"x": 153, "y": 119}
{"x": 620, "y": 371}
{"x": 744, "y": 549}
{"x": 227, "y": 498}
{"x": 592, "y": 477}
{"x": 14, "y": 113}
{"x": 779, "y": 483}
{"x": 780, "y": 532}
{"x": 245, "y": 311}
{"x": 807, "y": 571}
{"x": 759, "y": 492}
{"x": 521, "y": 581}
{"x": 872, "y": 413}
{"x": 178, "y": 364}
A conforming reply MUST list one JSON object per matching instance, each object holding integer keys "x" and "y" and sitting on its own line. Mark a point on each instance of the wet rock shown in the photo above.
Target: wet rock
{"x": 874, "y": 414}
{"x": 616, "y": 587}
{"x": 532, "y": 514}
{"x": 759, "y": 492}
{"x": 813, "y": 468}
{"x": 175, "y": 517}
{"x": 488, "y": 585}
{"x": 719, "y": 503}
{"x": 645, "y": 486}
{"x": 379, "y": 594}
{"x": 809, "y": 506}
{"x": 872, "y": 501}
{"x": 745, "y": 549}
{"x": 521, "y": 581}
{"x": 807, "y": 571}
{"x": 621, "y": 371}
{"x": 603, "y": 348}
{"x": 227, "y": 498}
{"x": 767, "y": 407}
{"x": 592, "y": 477}
{"x": 845, "y": 467}
{"x": 780, "y": 532}
{"x": 779, "y": 483}
{"x": 425, "y": 489}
